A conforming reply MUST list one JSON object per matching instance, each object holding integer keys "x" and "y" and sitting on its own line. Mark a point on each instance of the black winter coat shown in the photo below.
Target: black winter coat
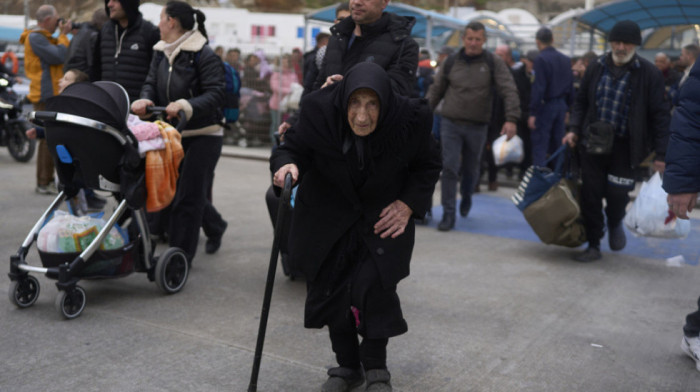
{"x": 124, "y": 55}
{"x": 196, "y": 75}
{"x": 81, "y": 52}
{"x": 648, "y": 118}
{"x": 310, "y": 69}
{"x": 402, "y": 163}
{"x": 524, "y": 85}
{"x": 386, "y": 42}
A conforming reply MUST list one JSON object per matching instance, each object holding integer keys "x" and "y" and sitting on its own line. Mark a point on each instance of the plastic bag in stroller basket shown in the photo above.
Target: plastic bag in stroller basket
{"x": 64, "y": 236}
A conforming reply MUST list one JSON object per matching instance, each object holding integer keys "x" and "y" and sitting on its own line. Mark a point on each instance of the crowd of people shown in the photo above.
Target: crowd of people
{"x": 379, "y": 125}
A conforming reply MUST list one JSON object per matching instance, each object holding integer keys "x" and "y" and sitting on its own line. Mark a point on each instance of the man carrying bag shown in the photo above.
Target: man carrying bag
{"x": 621, "y": 116}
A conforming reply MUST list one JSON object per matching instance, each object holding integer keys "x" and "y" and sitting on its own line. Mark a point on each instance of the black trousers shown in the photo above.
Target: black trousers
{"x": 524, "y": 133}
{"x": 349, "y": 353}
{"x": 691, "y": 328}
{"x": 348, "y": 297}
{"x": 380, "y": 315}
{"x": 191, "y": 203}
{"x": 608, "y": 177}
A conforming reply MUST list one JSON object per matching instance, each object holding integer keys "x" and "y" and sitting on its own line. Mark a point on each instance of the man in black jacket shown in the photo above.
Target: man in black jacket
{"x": 621, "y": 114}
{"x": 310, "y": 68}
{"x": 125, "y": 46}
{"x": 81, "y": 52}
{"x": 370, "y": 35}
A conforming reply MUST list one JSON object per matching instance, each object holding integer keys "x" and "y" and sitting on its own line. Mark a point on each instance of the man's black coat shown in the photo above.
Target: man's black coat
{"x": 648, "y": 118}
{"x": 386, "y": 42}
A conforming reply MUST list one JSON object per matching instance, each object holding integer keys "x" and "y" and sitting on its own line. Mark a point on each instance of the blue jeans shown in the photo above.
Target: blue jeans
{"x": 549, "y": 130}
{"x": 462, "y": 145}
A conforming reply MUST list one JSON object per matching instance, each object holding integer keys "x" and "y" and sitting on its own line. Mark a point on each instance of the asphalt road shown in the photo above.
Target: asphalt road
{"x": 485, "y": 313}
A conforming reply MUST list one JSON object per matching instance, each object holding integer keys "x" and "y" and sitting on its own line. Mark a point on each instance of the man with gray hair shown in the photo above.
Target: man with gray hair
{"x": 621, "y": 116}
{"x": 43, "y": 65}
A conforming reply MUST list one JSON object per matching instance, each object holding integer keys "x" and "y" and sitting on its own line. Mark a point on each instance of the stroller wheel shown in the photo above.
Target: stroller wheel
{"x": 24, "y": 292}
{"x": 70, "y": 303}
{"x": 172, "y": 270}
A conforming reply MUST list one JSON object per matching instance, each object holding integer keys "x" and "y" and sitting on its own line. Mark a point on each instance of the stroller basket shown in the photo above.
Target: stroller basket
{"x": 103, "y": 263}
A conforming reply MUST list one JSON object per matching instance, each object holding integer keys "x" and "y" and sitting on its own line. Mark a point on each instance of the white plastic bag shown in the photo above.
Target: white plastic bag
{"x": 649, "y": 215}
{"x": 291, "y": 100}
{"x": 507, "y": 151}
{"x": 66, "y": 233}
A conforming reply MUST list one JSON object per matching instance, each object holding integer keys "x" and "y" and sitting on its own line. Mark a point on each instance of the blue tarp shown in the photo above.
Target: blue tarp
{"x": 646, "y": 13}
{"x": 10, "y": 34}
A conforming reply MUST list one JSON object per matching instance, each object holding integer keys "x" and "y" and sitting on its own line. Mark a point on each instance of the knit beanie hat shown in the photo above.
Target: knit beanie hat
{"x": 626, "y": 31}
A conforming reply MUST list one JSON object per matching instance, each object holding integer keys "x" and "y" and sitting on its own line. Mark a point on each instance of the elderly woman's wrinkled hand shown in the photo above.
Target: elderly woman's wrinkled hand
{"x": 279, "y": 176}
{"x": 393, "y": 220}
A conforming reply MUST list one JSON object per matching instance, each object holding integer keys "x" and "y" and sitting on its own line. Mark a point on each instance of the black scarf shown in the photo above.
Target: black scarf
{"x": 324, "y": 120}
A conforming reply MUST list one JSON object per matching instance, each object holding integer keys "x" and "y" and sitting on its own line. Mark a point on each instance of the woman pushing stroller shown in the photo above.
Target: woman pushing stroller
{"x": 186, "y": 75}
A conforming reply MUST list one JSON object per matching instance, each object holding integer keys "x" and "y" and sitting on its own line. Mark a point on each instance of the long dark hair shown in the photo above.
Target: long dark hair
{"x": 185, "y": 14}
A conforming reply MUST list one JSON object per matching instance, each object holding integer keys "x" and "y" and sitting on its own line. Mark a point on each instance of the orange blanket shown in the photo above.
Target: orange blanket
{"x": 162, "y": 169}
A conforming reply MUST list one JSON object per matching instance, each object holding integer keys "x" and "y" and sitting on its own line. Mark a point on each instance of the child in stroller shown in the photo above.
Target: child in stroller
{"x": 100, "y": 153}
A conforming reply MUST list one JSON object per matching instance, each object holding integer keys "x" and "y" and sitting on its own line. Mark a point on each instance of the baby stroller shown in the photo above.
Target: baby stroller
{"x": 97, "y": 152}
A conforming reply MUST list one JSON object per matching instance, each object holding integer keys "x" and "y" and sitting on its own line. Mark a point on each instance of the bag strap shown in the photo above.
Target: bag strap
{"x": 560, "y": 158}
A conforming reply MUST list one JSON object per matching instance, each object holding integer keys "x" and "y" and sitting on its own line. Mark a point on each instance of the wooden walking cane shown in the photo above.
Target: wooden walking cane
{"x": 282, "y": 212}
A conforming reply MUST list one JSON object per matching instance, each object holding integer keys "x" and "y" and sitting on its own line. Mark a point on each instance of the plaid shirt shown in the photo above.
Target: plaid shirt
{"x": 613, "y": 97}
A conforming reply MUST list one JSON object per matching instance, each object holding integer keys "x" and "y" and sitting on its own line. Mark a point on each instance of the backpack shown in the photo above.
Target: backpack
{"x": 488, "y": 57}
{"x": 232, "y": 93}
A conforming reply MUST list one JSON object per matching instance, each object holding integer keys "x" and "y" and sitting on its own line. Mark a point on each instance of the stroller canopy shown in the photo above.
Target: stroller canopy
{"x": 106, "y": 102}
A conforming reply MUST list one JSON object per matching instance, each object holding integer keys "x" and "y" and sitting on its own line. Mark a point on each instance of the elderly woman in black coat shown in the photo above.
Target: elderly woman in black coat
{"x": 366, "y": 163}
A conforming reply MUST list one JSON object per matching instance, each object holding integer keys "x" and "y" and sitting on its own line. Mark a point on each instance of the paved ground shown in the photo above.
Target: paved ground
{"x": 485, "y": 313}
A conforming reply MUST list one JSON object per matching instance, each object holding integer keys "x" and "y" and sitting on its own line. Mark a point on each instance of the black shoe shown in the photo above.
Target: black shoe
{"x": 616, "y": 237}
{"x": 447, "y": 223}
{"x": 588, "y": 255}
{"x": 465, "y": 206}
{"x": 214, "y": 243}
{"x": 95, "y": 202}
{"x": 342, "y": 379}
{"x": 378, "y": 380}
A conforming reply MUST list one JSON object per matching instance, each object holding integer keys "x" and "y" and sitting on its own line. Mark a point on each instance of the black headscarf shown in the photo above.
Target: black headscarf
{"x": 325, "y": 114}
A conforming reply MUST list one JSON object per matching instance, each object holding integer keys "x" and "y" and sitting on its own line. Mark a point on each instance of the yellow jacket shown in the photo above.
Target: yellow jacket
{"x": 39, "y": 56}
